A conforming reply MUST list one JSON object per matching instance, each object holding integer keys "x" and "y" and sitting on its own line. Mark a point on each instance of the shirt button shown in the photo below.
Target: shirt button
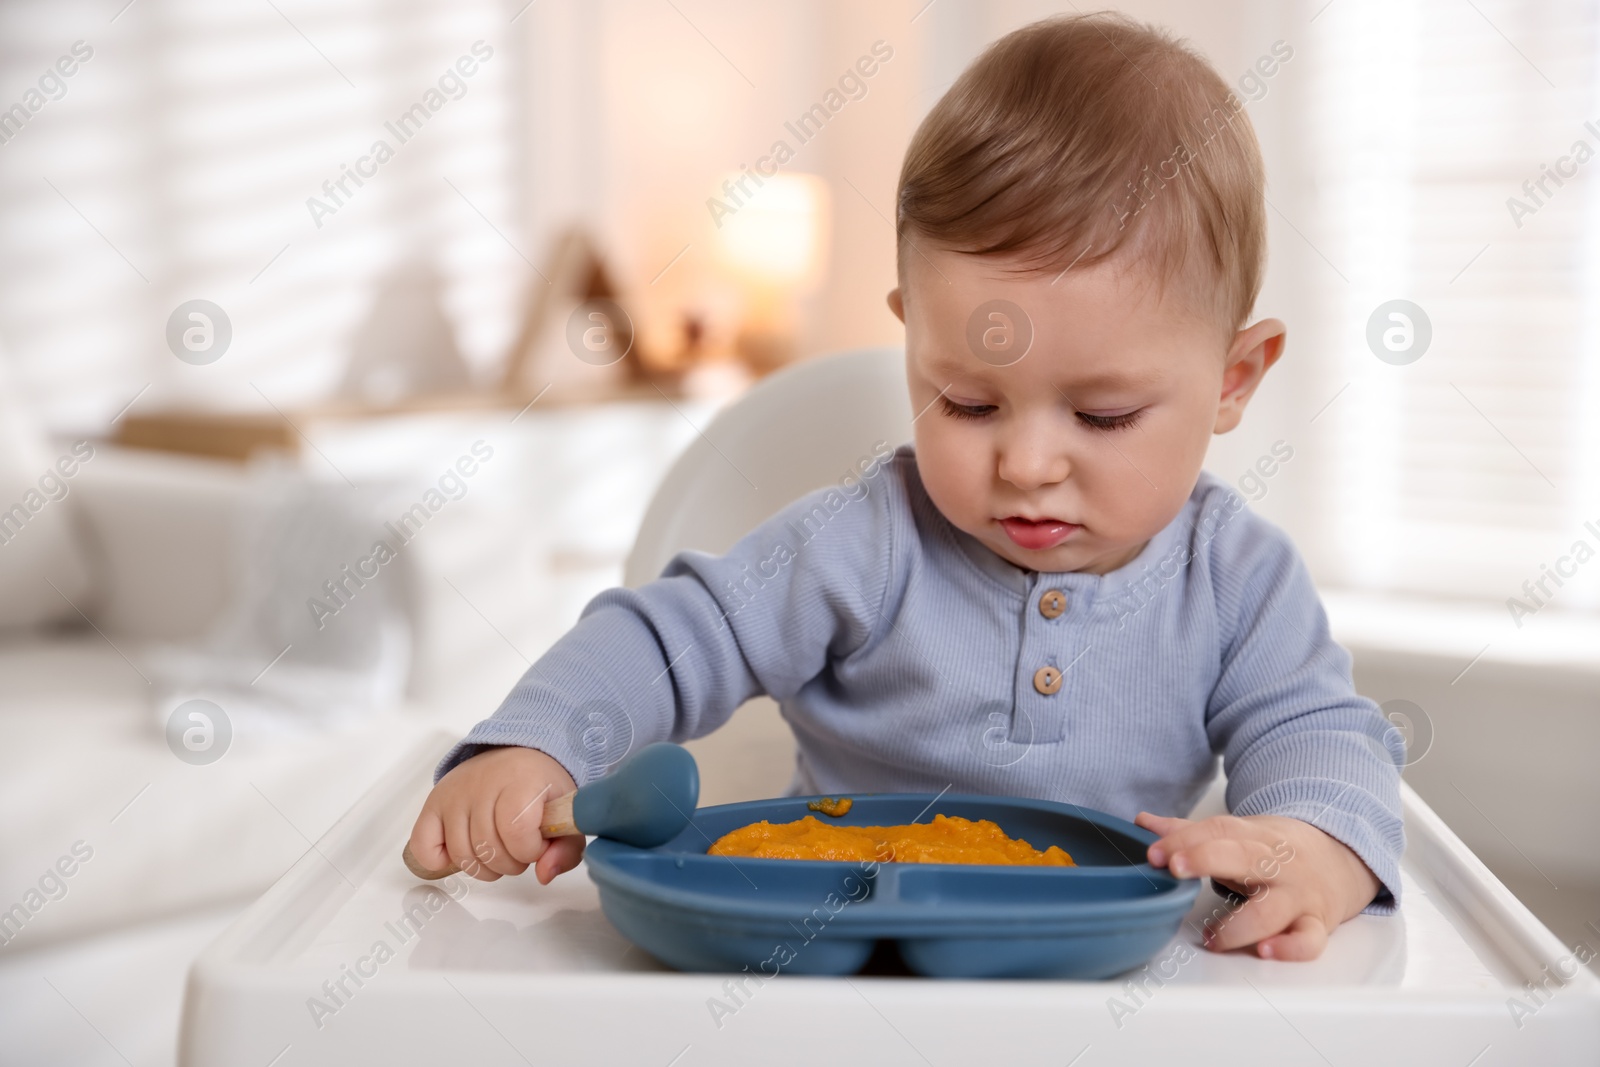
{"x": 1047, "y": 680}
{"x": 1053, "y": 603}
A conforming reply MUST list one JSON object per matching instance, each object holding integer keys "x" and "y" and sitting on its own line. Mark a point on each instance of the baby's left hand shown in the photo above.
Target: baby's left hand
{"x": 1300, "y": 882}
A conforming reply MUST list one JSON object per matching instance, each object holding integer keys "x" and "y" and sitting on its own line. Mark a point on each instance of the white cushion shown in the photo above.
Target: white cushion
{"x": 40, "y": 541}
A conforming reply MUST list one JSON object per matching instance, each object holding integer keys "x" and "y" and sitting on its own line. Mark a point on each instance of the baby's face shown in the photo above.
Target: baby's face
{"x": 1072, "y": 457}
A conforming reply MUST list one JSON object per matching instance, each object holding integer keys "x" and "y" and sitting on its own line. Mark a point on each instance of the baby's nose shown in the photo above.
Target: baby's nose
{"x": 1030, "y": 465}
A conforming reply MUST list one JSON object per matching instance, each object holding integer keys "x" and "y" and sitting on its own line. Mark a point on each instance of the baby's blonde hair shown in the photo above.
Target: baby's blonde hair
{"x": 1079, "y": 136}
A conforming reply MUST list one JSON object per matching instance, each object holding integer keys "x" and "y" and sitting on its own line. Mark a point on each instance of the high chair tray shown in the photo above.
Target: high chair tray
{"x": 348, "y": 959}
{"x": 698, "y": 912}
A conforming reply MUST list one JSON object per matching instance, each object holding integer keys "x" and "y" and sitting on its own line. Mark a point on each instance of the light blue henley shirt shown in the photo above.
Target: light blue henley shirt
{"x": 905, "y": 656}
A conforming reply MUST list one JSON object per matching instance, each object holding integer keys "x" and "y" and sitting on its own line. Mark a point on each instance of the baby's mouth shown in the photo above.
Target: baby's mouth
{"x": 1037, "y": 534}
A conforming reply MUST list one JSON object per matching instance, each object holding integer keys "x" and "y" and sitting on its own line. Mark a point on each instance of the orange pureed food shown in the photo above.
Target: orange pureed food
{"x": 947, "y": 839}
{"x": 830, "y": 806}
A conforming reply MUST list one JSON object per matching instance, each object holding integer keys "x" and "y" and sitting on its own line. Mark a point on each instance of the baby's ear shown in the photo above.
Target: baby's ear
{"x": 895, "y": 304}
{"x": 1253, "y": 352}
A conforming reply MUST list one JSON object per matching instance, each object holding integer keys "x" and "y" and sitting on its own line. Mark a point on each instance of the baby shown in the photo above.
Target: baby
{"x": 1044, "y": 596}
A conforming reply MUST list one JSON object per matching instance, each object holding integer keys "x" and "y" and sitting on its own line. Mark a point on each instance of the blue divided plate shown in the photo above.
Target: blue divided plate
{"x": 695, "y": 912}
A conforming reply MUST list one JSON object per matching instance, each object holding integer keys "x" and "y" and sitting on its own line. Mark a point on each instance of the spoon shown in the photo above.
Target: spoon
{"x": 645, "y": 802}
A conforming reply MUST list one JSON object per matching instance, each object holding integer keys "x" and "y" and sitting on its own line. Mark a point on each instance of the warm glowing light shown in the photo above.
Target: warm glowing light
{"x": 774, "y": 238}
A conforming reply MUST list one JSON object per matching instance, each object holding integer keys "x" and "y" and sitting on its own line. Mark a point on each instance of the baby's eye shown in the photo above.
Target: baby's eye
{"x": 965, "y": 411}
{"x": 1111, "y": 422}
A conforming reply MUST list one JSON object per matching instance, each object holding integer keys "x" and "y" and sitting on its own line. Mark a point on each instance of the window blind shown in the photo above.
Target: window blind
{"x": 1475, "y": 467}
{"x": 177, "y": 163}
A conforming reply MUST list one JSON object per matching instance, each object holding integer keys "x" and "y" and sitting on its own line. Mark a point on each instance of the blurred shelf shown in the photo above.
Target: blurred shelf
{"x": 237, "y": 435}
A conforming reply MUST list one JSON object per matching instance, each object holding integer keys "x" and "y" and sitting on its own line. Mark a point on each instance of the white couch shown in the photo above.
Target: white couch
{"x": 148, "y": 546}
{"x": 496, "y": 577}
{"x": 145, "y": 545}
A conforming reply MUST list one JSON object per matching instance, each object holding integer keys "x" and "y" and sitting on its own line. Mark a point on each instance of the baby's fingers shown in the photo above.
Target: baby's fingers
{"x": 518, "y": 812}
{"x": 487, "y": 847}
{"x": 562, "y": 855}
{"x": 427, "y": 841}
{"x": 1187, "y": 833}
{"x": 1305, "y": 939}
{"x": 1165, "y": 825}
{"x": 1268, "y": 915}
{"x": 463, "y": 853}
{"x": 1160, "y": 824}
{"x": 1229, "y": 859}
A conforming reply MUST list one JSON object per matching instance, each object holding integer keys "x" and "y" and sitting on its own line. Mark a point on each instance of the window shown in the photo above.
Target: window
{"x": 1462, "y": 473}
{"x": 177, "y": 163}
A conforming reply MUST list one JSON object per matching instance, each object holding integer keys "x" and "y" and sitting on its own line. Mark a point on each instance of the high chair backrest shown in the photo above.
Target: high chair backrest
{"x": 804, "y": 427}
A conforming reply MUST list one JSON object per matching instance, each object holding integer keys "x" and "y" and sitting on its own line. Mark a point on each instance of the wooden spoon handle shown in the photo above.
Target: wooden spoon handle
{"x": 557, "y": 822}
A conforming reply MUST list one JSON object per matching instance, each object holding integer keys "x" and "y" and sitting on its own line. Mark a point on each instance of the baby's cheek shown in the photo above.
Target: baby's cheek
{"x": 1126, "y": 512}
{"x": 1141, "y": 502}
{"x": 952, "y": 475}
{"x": 1118, "y": 500}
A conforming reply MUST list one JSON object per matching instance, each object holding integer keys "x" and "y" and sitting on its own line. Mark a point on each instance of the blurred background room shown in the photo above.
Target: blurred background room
{"x": 283, "y": 281}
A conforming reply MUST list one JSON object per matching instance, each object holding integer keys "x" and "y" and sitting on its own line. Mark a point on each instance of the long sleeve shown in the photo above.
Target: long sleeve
{"x": 673, "y": 659}
{"x": 903, "y": 654}
{"x": 1296, "y": 739}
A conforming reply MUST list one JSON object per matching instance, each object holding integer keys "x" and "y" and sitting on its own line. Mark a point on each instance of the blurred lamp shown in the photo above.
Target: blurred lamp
{"x": 773, "y": 243}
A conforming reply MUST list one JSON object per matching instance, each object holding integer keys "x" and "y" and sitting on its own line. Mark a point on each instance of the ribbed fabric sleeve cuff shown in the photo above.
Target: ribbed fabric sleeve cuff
{"x": 1350, "y": 815}
{"x": 557, "y": 731}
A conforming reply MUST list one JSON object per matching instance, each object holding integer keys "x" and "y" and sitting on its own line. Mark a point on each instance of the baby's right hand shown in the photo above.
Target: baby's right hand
{"x": 484, "y": 816}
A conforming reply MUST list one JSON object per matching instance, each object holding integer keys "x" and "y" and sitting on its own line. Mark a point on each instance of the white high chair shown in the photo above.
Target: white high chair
{"x": 798, "y": 430}
{"x": 539, "y": 968}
